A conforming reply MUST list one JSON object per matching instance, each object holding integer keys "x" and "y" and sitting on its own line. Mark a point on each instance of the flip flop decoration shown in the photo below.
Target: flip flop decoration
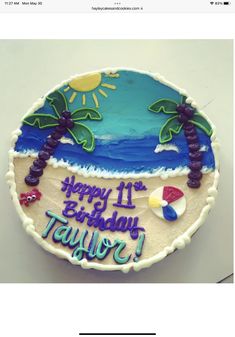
{"x": 167, "y": 202}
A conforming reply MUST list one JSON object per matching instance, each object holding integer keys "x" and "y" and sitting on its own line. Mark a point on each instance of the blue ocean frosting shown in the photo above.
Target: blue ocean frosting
{"x": 128, "y": 134}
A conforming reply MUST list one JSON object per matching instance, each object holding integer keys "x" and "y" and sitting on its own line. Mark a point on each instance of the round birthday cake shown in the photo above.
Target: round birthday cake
{"x": 114, "y": 169}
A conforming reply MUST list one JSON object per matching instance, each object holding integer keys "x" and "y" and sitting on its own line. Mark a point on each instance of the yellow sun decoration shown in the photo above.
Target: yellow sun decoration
{"x": 87, "y": 84}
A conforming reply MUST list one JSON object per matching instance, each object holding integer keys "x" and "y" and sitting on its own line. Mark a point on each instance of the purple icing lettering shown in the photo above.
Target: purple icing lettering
{"x": 95, "y": 219}
{"x": 104, "y": 195}
{"x": 79, "y": 213}
{"x": 68, "y": 186}
{"x": 101, "y": 224}
{"x": 120, "y": 188}
{"x": 83, "y": 190}
{"x": 139, "y": 186}
{"x": 110, "y": 222}
{"x": 69, "y": 210}
{"x": 91, "y": 219}
{"x": 80, "y": 216}
{"x": 77, "y": 187}
{"x": 133, "y": 228}
{"x": 129, "y": 194}
{"x": 121, "y": 224}
{"x": 95, "y": 193}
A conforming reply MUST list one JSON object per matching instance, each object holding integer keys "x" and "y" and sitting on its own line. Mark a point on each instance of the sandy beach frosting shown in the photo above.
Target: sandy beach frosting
{"x": 159, "y": 234}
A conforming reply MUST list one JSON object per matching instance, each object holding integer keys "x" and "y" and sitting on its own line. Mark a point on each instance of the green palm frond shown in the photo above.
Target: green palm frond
{"x": 183, "y": 99}
{"x": 86, "y": 113}
{"x": 79, "y": 132}
{"x": 40, "y": 120}
{"x": 57, "y": 100}
{"x": 171, "y": 127}
{"x": 167, "y": 106}
{"x": 202, "y": 123}
{"x": 83, "y": 135}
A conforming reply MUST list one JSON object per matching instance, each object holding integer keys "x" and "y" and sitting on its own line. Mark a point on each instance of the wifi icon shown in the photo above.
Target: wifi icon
{"x": 212, "y": 3}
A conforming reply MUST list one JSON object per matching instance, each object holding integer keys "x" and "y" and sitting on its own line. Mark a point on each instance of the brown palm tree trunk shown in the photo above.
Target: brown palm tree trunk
{"x": 48, "y": 148}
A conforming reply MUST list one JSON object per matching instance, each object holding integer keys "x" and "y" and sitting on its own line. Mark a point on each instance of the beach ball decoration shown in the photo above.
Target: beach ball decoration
{"x": 167, "y": 202}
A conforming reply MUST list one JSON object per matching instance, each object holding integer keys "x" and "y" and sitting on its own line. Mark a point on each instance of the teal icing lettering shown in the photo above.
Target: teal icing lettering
{"x": 73, "y": 242}
{"x": 140, "y": 244}
{"x": 54, "y": 218}
{"x": 92, "y": 245}
{"x": 104, "y": 248}
{"x": 62, "y": 234}
{"x": 78, "y": 252}
{"x": 139, "y": 247}
{"x": 68, "y": 236}
{"x": 116, "y": 256}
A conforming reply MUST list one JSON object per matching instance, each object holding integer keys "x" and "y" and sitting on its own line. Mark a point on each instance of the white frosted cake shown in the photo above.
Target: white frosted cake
{"x": 114, "y": 169}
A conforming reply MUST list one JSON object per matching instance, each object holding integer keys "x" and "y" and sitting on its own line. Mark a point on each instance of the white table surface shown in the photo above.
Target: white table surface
{"x": 28, "y": 69}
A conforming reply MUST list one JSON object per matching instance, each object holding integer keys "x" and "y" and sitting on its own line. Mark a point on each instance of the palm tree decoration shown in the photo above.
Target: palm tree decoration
{"x": 62, "y": 121}
{"x": 184, "y": 116}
